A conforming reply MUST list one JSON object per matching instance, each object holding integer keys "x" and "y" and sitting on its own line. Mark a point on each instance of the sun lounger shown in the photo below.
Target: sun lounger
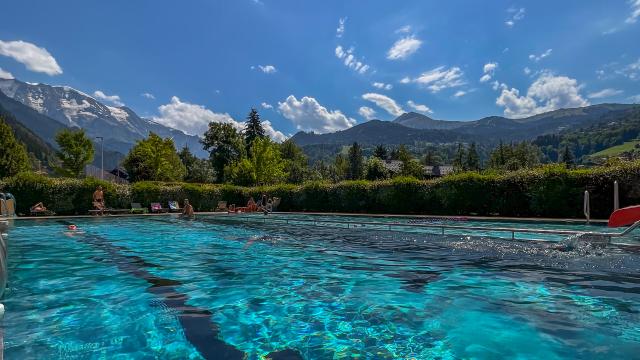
{"x": 35, "y": 212}
{"x": 136, "y": 208}
{"x": 222, "y": 206}
{"x": 174, "y": 207}
{"x": 157, "y": 208}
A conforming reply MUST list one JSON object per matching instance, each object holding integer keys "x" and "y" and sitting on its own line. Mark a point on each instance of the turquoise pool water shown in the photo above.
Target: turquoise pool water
{"x": 160, "y": 287}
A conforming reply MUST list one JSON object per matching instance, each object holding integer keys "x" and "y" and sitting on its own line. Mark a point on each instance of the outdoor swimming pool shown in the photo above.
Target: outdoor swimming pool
{"x": 160, "y": 287}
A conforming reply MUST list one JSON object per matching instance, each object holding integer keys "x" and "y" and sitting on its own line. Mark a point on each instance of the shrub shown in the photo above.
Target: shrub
{"x": 549, "y": 191}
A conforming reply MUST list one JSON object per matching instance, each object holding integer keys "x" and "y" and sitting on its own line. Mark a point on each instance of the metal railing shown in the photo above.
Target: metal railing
{"x": 4, "y": 225}
{"x": 441, "y": 227}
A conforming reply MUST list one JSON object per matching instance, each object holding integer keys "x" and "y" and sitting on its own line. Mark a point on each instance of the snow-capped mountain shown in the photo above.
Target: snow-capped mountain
{"x": 121, "y": 127}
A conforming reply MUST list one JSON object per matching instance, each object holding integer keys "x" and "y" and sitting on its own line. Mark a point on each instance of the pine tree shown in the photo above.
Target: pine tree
{"x": 458, "y": 160}
{"x": 13, "y": 154}
{"x": 567, "y": 157}
{"x": 253, "y": 129}
{"x": 356, "y": 163}
{"x": 380, "y": 152}
{"x": 473, "y": 160}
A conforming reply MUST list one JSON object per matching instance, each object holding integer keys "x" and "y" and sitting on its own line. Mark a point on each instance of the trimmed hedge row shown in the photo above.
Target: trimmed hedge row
{"x": 550, "y": 191}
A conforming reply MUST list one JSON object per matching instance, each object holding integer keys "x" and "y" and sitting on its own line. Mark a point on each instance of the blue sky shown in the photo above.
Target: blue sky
{"x": 328, "y": 65}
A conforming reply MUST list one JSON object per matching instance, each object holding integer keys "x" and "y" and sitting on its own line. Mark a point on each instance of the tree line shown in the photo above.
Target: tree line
{"x": 249, "y": 157}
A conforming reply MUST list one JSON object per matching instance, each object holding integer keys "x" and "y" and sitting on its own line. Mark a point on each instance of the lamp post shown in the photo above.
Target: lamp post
{"x": 101, "y": 156}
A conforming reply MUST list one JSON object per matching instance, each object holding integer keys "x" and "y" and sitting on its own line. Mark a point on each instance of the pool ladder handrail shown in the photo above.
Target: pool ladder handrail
{"x": 3, "y": 256}
{"x": 443, "y": 227}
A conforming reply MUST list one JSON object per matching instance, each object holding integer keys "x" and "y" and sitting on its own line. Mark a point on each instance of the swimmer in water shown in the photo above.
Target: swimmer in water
{"x": 187, "y": 210}
{"x": 73, "y": 230}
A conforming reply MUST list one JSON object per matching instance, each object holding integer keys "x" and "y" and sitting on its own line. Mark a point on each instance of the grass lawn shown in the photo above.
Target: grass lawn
{"x": 615, "y": 150}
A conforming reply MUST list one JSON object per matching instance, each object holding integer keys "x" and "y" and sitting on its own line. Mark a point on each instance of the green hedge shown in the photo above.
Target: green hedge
{"x": 550, "y": 191}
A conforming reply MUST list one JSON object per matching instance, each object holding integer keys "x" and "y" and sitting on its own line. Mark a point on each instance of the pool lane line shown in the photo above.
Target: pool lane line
{"x": 196, "y": 322}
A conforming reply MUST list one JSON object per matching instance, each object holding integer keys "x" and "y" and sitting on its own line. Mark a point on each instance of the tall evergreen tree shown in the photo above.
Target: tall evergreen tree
{"x": 356, "y": 162}
{"x": 380, "y": 152}
{"x": 253, "y": 129}
{"x": 566, "y": 156}
{"x": 473, "y": 160}
{"x": 13, "y": 154}
{"x": 458, "y": 160}
{"x": 76, "y": 151}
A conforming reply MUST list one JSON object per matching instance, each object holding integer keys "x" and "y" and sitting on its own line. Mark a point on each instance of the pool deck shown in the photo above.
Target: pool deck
{"x": 418, "y": 216}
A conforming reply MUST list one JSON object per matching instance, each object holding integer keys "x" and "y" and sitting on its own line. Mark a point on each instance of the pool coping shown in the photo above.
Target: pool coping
{"x": 386, "y": 215}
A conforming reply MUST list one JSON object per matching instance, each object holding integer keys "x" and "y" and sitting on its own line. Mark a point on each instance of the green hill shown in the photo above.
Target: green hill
{"x": 616, "y": 150}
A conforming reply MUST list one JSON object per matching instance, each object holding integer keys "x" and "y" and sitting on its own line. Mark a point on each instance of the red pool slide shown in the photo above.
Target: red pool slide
{"x": 625, "y": 216}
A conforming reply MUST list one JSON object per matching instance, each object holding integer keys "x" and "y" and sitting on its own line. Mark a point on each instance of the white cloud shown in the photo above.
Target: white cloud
{"x": 460, "y": 93}
{"x": 526, "y": 70}
{"x": 34, "y": 58}
{"x": 635, "y": 99}
{"x": 267, "y": 69}
{"x": 441, "y": 78}
{"x": 404, "y": 30}
{"x": 266, "y": 105}
{"x": 367, "y": 112}
{"x": 5, "y": 74}
{"x": 635, "y": 12}
{"x": 547, "y": 93}
{"x": 405, "y": 80}
{"x": 485, "y": 78}
{"x": 403, "y": 48}
{"x": 381, "y": 85}
{"x": 537, "y": 58}
{"x": 604, "y": 93}
{"x": 488, "y": 69}
{"x": 113, "y": 99}
{"x": 419, "y": 107}
{"x": 340, "y": 29}
{"x": 631, "y": 71}
{"x": 308, "y": 115}
{"x": 515, "y": 15}
{"x": 350, "y": 60}
{"x": 384, "y": 102}
{"x": 148, "y": 96}
{"x": 194, "y": 119}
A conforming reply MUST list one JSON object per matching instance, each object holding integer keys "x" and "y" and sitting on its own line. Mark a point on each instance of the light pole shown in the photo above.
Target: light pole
{"x": 101, "y": 156}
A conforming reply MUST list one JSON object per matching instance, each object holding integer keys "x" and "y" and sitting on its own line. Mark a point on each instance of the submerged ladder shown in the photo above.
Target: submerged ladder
{"x": 444, "y": 229}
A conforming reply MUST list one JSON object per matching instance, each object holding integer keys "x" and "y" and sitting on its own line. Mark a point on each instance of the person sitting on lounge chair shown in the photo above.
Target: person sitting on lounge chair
{"x": 251, "y": 205}
{"x": 39, "y": 207}
{"x": 187, "y": 209}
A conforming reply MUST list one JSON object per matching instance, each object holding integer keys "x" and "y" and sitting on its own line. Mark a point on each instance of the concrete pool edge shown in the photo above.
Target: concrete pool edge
{"x": 417, "y": 216}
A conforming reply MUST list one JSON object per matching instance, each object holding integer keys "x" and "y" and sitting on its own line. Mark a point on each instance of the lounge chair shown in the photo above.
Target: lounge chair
{"x": 39, "y": 209}
{"x": 157, "y": 208}
{"x": 136, "y": 208}
{"x": 222, "y": 206}
{"x": 174, "y": 207}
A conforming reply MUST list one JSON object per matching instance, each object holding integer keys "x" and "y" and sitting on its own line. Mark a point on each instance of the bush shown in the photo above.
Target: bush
{"x": 549, "y": 191}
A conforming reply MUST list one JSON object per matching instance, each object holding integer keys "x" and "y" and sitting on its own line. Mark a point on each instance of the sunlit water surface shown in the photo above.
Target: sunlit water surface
{"x": 144, "y": 288}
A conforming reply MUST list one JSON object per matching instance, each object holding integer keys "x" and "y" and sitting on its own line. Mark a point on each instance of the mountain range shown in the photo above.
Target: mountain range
{"x": 46, "y": 109}
{"x": 412, "y": 128}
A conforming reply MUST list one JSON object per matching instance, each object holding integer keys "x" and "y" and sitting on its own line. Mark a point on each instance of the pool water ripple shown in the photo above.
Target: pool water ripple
{"x": 318, "y": 292}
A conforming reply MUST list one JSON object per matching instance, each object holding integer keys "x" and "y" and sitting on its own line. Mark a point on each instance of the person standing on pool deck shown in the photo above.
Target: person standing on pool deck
{"x": 98, "y": 199}
{"x": 187, "y": 210}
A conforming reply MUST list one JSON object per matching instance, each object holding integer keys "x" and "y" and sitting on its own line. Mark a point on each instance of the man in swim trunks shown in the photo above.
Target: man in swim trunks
{"x": 187, "y": 210}
{"x": 98, "y": 199}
